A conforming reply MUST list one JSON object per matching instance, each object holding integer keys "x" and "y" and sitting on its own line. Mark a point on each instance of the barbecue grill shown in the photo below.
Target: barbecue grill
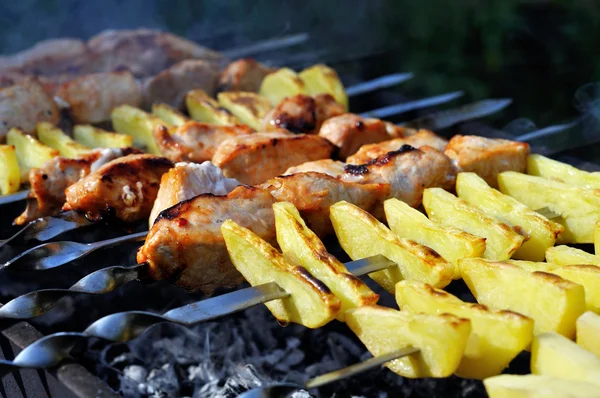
{"x": 210, "y": 353}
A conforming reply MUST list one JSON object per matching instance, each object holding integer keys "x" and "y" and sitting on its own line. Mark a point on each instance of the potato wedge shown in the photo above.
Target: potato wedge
{"x": 540, "y": 232}
{"x": 566, "y": 255}
{"x": 579, "y": 208}
{"x": 310, "y": 303}
{"x": 597, "y": 239}
{"x": 588, "y": 330}
{"x": 280, "y": 84}
{"x": 169, "y": 115}
{"x": 555, "y": 355}
{"x": 30, "y": 152}
{"x": 320, "y": 78}
{"x": 538, "y": 386}
{"x": 203, "y": 108}
{"x": 54, "y": 137}
{"x": 301, "y": 246}
{"x": 10, "y": 173}
{"x": 249, "y": 108}
{"x": 497, "y": 336}
{"x": 138, "y": 124}
{"x": 552, "y": 302}
{"x": 451, "y": 243}
{"x": 538, "y": 165}
{"x": 441, "y": 338}
{"x": 361, "y": 235}
{"x": 443, "y": 207}
{"x": 533, "y": 266}
{"x": 94, "y": 137}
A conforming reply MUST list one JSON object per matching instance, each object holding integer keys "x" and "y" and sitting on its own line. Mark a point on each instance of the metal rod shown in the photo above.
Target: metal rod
{"x": 267, "y": 45}
{"x": 397, "y": 109}
{"x": 378, "y": 83}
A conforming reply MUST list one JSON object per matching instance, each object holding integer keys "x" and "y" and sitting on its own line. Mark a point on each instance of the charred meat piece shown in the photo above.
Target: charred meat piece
{"x": 314, "y": 193}
{"x": 302, "y": 114}
{"x": 24, "y": 105}
{"x": 366, "y": 153}
{"x": 243, "y": 75}
{"x": 254, "y": 158}
{"x": 92, "y": 97}
{"x": 171, "y": 85}
{"x": 124, "y": 188}
{"x": 195, "y": 141}
{"x": 186, "y": 180}
{"x": 349, "y": 132}
{"x": 48, "y": 183}
{"x": 487, "y": 156}
{"x": 185, "y": 245}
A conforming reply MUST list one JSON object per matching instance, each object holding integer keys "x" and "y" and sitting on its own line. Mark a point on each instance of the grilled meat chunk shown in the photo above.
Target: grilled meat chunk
{"x": 92, "y": 97}
{"x": 195, "y": 141}
{"x": 331, "y": 167}
{"x": 366, "y": 153}
{"x": 487, "y": 156}
{"x": 252, "y": 159}
{"x": 302, "y": 114}
{"x": 185, "y": 245}
{"x": 48, "y": 183}
{"x": 125, "y": 187}
{"x": 243, "y": 75}
{"x": 24, "y": 105}
{"x": 186, "y": 180}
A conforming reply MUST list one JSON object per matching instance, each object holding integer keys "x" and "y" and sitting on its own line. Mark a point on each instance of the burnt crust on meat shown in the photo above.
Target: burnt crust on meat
{"x": 361, "y": 169}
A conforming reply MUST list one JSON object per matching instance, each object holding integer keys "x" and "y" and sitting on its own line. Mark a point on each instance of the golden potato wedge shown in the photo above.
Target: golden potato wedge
{"x": 249, "y": 108}
{"x": 566, "y": 255}
{"x": 451, "y": 243}
{"x": 321, "y": 79}
{"x": 552, "y": 302}
{"x": 579, "y": 208}
{"x": 361, "y": 235}
{"x": 533, "y": 266}
{"x": 301, "y": 246}
{"x": 587, "y": 276}
{"x": 441, "y": 338}
{"x": 169, "y": 114}
{"x": 538, "y": 386}
{"x": 501, "y": 241}
{"x": 94, "y": 137}
{"x": 556, "y": 355}
{"x": 310, "y": 303}
{"x": 54, "y": 137}
{"x": 497, "y": 336}
{"x": 280, "y": 84}
{"x": 588, "y": 332}
{"x": 541, "y": 166}
{"x": 540, "y": 232}
{"x": 203, "y": 108}
{"x": 30, "y": 152}
{"x": 10, "y": 173}
{"x": 138, "y": 124}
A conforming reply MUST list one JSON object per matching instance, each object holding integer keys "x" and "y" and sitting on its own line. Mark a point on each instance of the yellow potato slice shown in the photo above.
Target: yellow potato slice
{"x": 541, "y": 166}
{"x": 555, "y": 355}
{"x": 321, "y": 79}
{"x": 203, "y": 108}
{"x": 310, "y": 303}
{"x": 443, "y": 207}
{"x": 537, "y": 386}
{"x": 169, "y": 115}
{"x": 552, "y": 302}
{"x": 588, "y": 332}
{"x": 361, "y": 235}
{"x": 10, "y": 173}
{"x": 533, "y": 266}
{"x": 30, "y": 152}
{"x": 94, "y": 137}
{"x": 441, "y": 338}
{"x": 135, "y": 122}
{"x": 280, "y": 84}
{"x": 451, "y": 243}
{"x": 249, "y": 108}
{"x": 301, "y": 246}
{"x": 597, "y": 239}
{"x": 54, "y": 137}
{"x": 578, "y": 208}
{"x": 565, "y": 255}
{"x": 540, "y": 233}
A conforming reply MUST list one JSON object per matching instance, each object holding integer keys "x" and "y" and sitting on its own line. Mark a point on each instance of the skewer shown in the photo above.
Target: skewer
{"x": 125, "y": 326}
{"x": 388, "y": 111}
{"x": 267, "y": 45}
